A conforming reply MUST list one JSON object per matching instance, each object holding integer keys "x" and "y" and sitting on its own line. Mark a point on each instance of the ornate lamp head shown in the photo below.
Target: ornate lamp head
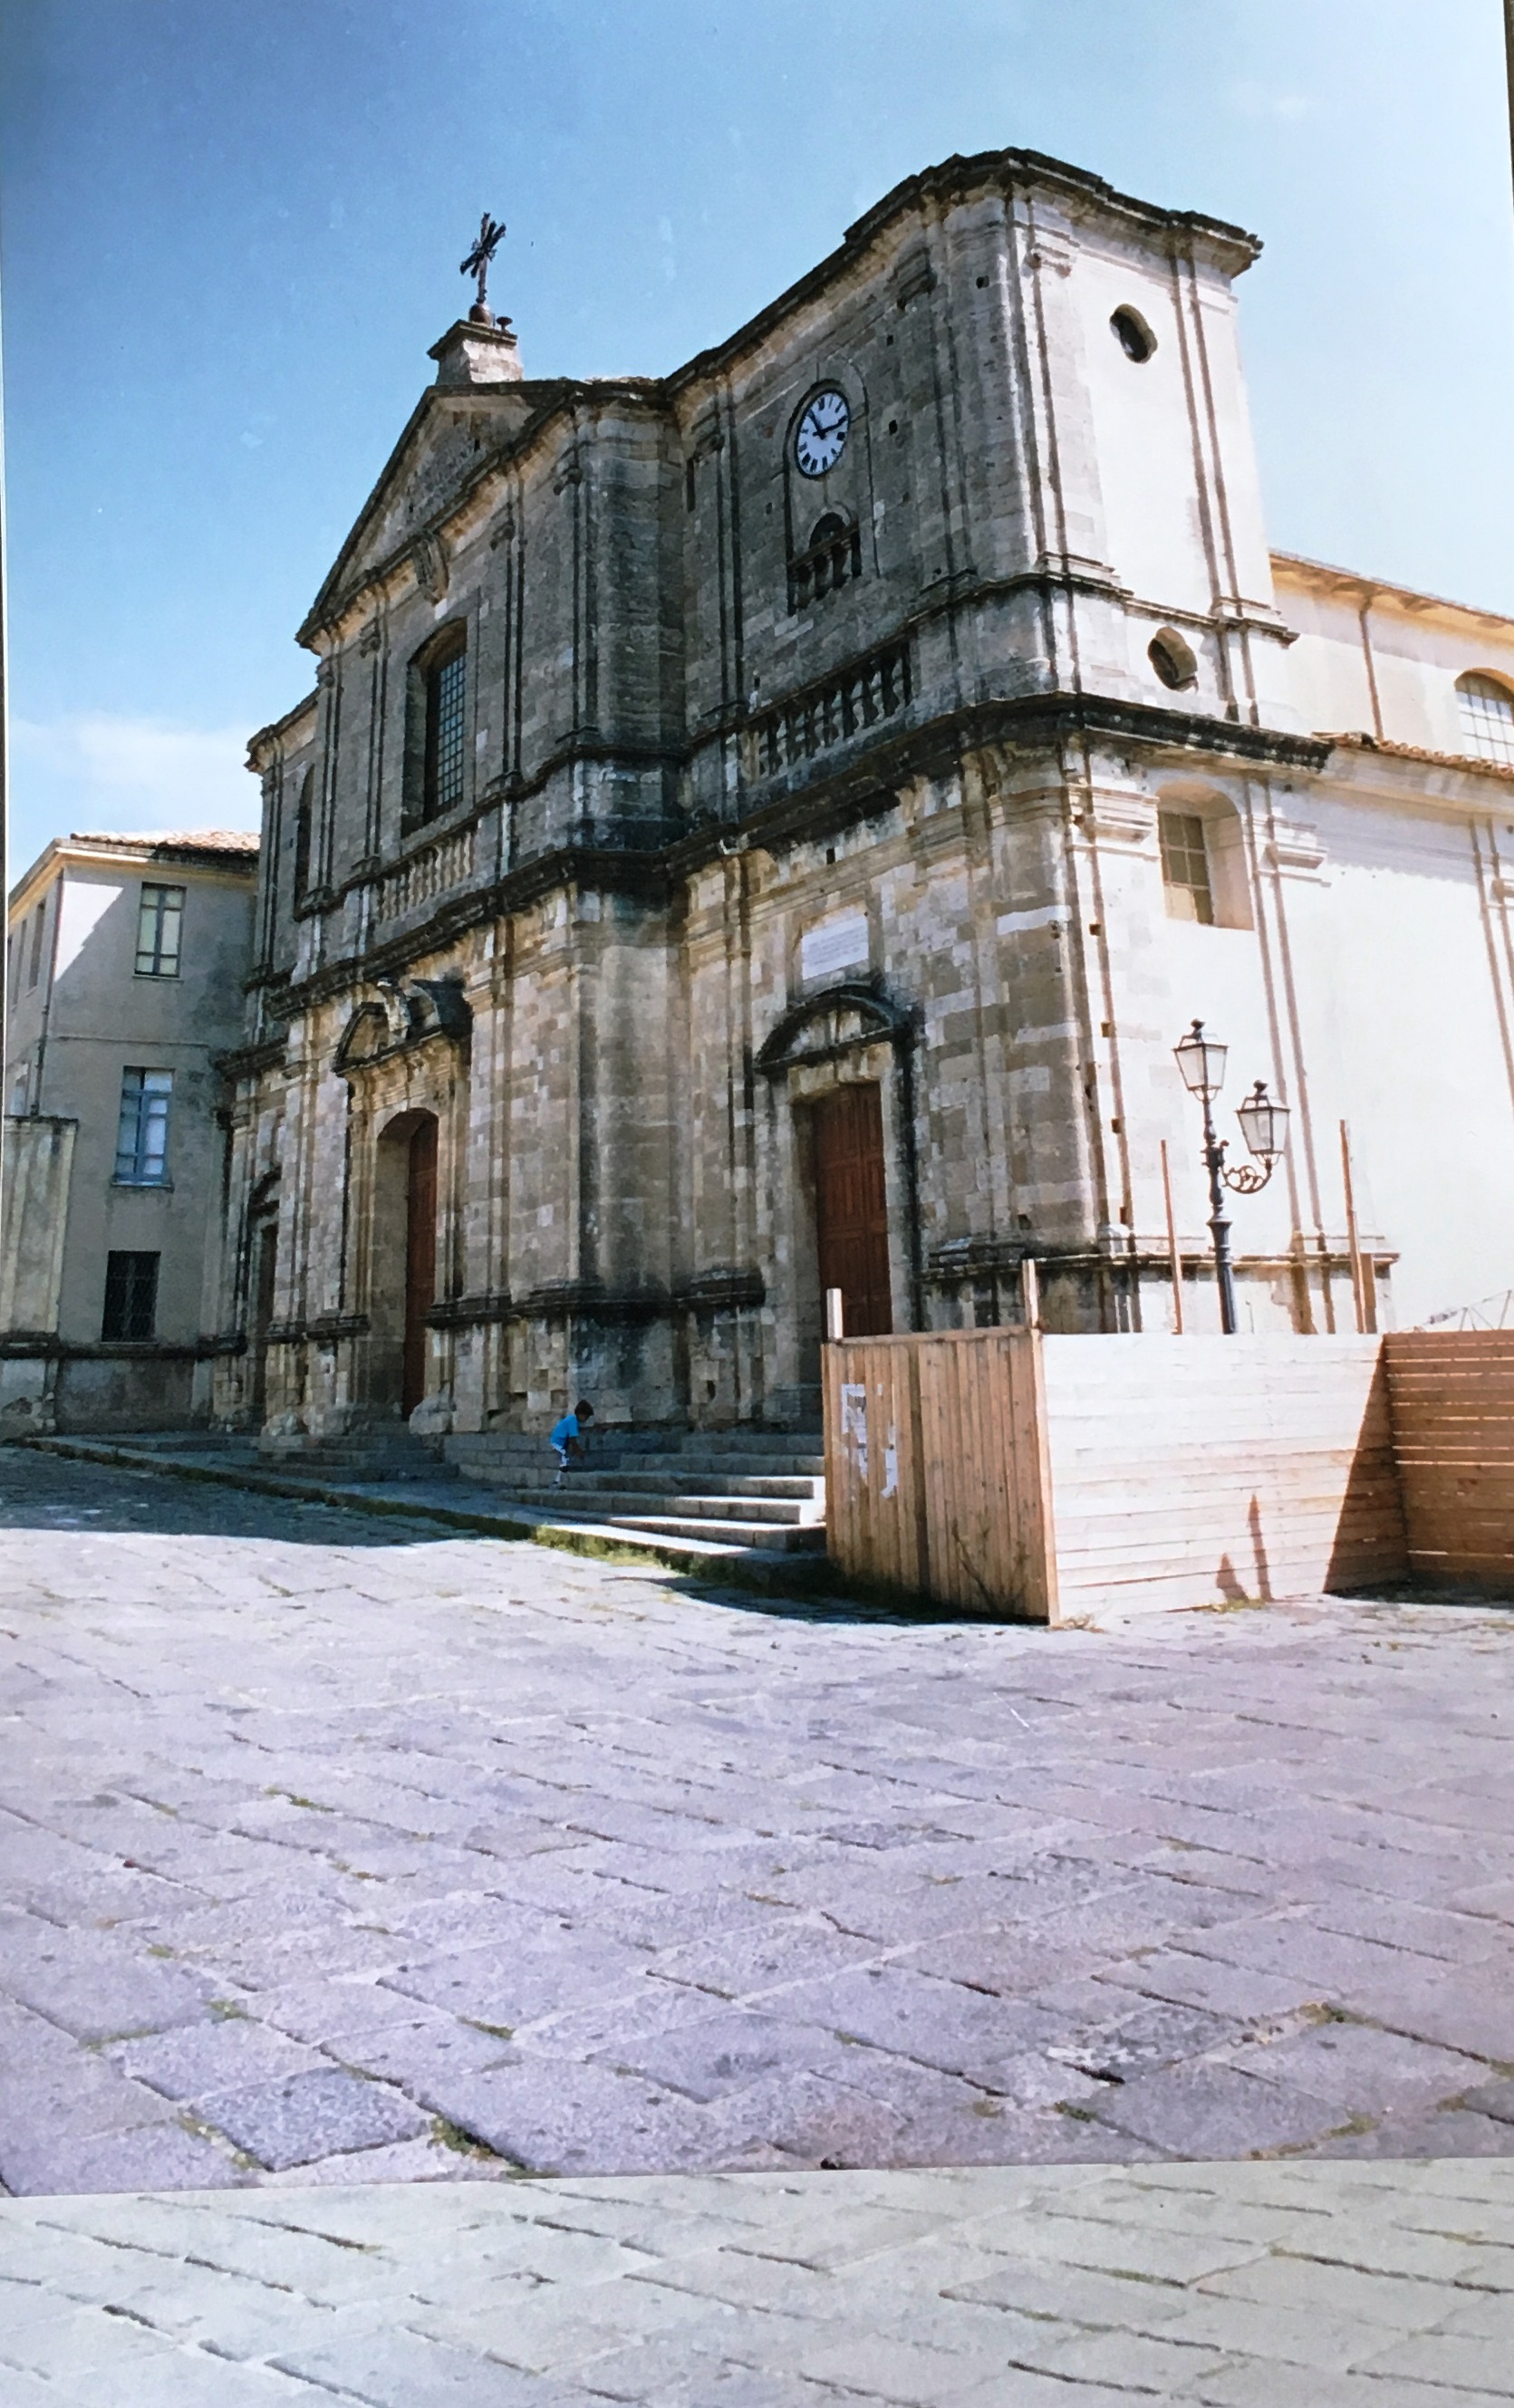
{"x": 1202, "y": 1061}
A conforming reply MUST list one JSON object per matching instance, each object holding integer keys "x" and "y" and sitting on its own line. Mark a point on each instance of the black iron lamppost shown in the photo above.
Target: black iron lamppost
{"x": 1265, "y": 1127}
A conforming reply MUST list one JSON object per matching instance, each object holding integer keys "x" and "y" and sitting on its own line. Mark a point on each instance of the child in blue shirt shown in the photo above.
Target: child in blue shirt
{"x": 567, "y": 1438}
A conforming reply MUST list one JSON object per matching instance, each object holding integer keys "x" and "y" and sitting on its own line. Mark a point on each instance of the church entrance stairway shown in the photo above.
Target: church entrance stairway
{"x": 733, "y": 1488}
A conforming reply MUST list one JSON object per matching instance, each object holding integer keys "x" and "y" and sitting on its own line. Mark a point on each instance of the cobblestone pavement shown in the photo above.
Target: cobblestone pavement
{"x": 1241, "y": 2286}
{"x": 338, "y": 1851}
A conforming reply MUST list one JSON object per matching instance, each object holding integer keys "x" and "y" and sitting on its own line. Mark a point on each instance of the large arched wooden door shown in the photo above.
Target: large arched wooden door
{"x": 851, "y": 1207}
{"x": 420, "y": 1259}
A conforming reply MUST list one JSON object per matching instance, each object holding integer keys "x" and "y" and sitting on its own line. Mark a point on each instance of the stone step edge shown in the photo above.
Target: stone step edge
{"x": 761, "y": 1568}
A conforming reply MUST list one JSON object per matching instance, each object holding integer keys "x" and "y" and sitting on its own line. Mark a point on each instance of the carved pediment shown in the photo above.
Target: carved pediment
{"x": 451, "y": 439}
{"x": 854, "y": 1012}
{"x": 409, "y": 1013}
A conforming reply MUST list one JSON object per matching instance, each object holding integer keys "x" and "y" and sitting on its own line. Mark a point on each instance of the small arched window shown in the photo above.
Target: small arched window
{"x": 831, "y": 558}
{"x": 1487, "y": 718}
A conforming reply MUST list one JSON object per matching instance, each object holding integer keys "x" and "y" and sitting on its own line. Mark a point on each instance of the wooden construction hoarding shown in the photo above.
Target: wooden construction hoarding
{"x": 936, "y": 1473}
{"x": 1003, "y": 1472}
{"x": 1452, "y": 1398}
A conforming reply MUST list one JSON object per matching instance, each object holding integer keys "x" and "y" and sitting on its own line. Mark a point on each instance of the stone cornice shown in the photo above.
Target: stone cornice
{"x": 806, "y": 804}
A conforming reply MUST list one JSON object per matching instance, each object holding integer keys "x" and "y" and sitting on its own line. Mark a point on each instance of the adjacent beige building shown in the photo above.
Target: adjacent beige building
{"x": 125, "y": 978}
{"x": 764, "y": 829}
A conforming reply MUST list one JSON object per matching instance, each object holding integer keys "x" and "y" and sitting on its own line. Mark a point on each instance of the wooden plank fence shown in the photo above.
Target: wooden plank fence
{"x": 1452, "y": 1395}
{"x": 1209, "y": 1470}
{"x": 1005, "y": 1472}
{"x": 936, "y": 1473}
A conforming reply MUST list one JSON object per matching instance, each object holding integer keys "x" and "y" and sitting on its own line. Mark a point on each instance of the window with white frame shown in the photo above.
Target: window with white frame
{"x": 159, "y": 920}
{"x": 142, "y": 1137}
{"x": 1487, "y": 718}
{"x": 1184, "y": 867}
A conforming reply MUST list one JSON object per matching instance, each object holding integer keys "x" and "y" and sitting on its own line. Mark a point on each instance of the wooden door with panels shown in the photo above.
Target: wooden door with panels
{"x": 851, "y": 1207}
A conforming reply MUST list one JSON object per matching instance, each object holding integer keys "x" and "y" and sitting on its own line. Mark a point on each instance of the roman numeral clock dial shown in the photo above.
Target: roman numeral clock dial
{"x": 822, "y": 433}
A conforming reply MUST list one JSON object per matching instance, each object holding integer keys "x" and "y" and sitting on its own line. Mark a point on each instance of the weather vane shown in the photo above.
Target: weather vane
{"x": 491, "y": 233}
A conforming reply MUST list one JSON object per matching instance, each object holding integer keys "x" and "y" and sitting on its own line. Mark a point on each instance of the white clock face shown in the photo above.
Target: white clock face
{"x": 822, "y": 434}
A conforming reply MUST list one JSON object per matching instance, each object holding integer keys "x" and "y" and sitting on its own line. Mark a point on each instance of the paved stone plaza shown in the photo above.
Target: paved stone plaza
{"x": 1271, "y": 2285}
{"x": 338, "y": 1850}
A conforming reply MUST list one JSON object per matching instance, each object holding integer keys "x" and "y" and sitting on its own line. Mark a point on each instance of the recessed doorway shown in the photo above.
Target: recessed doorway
{"x": 851, "y": 1207}
{"x": 420, "y": 1259}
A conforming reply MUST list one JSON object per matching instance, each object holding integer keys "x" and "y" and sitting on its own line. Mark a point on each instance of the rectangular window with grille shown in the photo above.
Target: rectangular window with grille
{"x": 131, "y": 1296}
{"x": 158, "y": 922}
{"x": 1184, "y": 867}
{"x": 142, "y": 1137}
{"x": 446, "y": 691}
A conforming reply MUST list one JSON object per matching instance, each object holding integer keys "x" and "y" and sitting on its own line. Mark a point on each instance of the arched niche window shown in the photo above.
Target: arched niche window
{"x": 831, "y": 558}
{"x": 436, "y": 752}
{"x": 1204, "y": 874}
{"x": 1486, "y": 717}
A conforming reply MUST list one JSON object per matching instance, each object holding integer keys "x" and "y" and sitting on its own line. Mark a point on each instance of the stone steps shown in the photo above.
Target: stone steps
{"x": 785, "y": 1537}
{"x": 609, "y": 1498}
{"x": 385, "y": 1455}
{"x": 738, "y": 1488}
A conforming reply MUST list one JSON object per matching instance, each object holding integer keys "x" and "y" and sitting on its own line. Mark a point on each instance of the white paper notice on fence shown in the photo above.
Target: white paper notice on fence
{"x": 840, "y": 943}
{"x": 854, "y": 1424}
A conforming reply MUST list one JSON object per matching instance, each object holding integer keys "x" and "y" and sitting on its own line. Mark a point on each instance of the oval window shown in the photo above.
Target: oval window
{"x": 1134, "y": 336}
{"x": 1172, "y": 660}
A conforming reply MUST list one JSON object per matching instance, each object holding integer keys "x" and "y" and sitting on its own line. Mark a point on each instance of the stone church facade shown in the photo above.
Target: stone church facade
{"x": 763, "y": 829}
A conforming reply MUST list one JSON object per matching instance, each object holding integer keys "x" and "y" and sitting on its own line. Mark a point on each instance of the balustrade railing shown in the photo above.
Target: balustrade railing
{"x": 811, "y": 722}
{"x": 426, "y": 874}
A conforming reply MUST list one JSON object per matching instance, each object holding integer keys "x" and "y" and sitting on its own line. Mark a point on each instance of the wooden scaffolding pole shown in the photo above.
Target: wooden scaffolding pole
{"x": 1174, "y": 1257}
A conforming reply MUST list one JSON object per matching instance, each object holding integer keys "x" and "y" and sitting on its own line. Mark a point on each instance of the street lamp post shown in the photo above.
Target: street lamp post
{"x": 1265, "y": 1127}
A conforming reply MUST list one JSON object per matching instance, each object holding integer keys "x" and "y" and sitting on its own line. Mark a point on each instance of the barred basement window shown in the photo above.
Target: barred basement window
{"x": 1184, "y": 867}
{"x": 131, "y": 1296}
{"x": 446, "y": 693}
{"x": 142, "y": 1135}
{"x": 1487, "y": 718}
{"x": 159, "y": 920}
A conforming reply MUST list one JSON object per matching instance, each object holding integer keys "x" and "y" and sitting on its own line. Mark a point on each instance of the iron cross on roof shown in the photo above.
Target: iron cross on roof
{"x": 491, "y": 233}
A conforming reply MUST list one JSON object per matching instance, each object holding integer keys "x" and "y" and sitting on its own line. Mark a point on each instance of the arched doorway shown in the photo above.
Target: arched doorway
{"x": 403, "y": 1278}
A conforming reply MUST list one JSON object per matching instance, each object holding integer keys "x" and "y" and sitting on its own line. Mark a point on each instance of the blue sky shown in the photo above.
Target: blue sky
{"x": 231, "y": 227}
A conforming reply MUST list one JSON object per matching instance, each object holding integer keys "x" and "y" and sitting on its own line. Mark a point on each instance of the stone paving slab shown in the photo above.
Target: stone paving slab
{"x": 1239, "y": 2285}
{"x": 336, "y": 1849}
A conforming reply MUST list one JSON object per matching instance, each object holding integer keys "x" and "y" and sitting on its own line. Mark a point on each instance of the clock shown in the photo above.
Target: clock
{"x": 821, "y": 437}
